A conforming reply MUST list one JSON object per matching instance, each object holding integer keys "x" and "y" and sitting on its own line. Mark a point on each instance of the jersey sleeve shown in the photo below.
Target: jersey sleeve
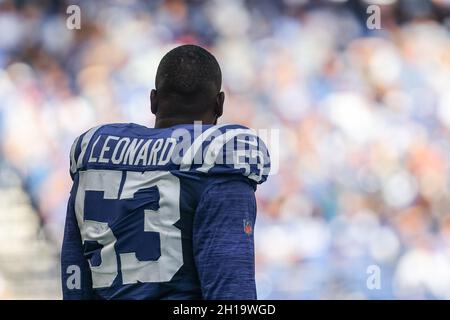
{"x": 223, "y": 241}
{"x": 75, "y": 272}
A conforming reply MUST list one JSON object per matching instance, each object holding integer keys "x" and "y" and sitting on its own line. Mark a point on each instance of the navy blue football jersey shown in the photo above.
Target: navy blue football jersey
{"x": 162, "y": 213}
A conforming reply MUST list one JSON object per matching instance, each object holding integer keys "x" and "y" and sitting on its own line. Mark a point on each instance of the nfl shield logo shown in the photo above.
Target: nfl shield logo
{"x": 248, "y": 229}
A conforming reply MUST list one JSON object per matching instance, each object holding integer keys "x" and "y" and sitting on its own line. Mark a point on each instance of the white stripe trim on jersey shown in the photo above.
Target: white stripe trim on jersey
{"x": 188, "y": 157}
{"x": 73, "y": 162}
{"x": 84, "y": 144}
{"x": 214, "y": 147}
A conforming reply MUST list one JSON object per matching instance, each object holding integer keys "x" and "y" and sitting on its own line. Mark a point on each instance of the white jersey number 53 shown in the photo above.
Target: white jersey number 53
{"x": 161, "y": 221}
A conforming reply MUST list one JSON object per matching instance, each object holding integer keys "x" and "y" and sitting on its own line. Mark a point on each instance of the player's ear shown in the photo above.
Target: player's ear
{"x": 220, "y": 99}
{"x": 153, "y": 101}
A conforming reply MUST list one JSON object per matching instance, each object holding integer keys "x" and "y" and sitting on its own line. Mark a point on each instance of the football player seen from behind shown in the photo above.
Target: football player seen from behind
{"x": 166, "y": 212}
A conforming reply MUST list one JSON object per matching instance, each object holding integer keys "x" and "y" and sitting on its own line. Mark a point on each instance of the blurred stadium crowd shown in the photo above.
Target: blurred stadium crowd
{"x": 364, "y": 119}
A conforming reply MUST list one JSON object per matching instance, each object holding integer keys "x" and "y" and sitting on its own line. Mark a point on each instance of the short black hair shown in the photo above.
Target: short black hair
{"x": 188, "y": 71}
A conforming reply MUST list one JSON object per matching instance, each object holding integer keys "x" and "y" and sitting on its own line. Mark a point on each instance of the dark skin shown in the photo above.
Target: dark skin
{"x": 165, "y": 118}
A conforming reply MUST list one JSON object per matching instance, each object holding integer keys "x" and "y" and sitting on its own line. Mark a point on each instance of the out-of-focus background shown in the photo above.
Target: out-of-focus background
{"x": 364, "y": 117}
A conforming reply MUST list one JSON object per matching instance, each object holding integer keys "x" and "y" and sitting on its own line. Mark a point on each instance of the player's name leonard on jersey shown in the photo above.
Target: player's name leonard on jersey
{"x": 109, "y": 149}
{"x": 128, "y": 151}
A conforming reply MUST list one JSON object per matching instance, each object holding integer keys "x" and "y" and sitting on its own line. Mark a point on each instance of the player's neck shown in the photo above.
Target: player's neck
{"x": 173, "y": 121}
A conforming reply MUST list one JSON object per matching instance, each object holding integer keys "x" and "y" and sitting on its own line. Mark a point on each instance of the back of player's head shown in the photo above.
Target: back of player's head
{"x": 188, "y": 81}
{"x": 188, "y": 70}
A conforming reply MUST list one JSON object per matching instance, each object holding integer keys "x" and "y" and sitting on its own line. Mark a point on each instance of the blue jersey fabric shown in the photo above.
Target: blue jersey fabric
{"x": 162, "y": 213}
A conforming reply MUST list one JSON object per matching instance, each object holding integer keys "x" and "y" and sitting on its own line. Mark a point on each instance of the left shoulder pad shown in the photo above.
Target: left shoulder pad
{"x": 233, "y": 149}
